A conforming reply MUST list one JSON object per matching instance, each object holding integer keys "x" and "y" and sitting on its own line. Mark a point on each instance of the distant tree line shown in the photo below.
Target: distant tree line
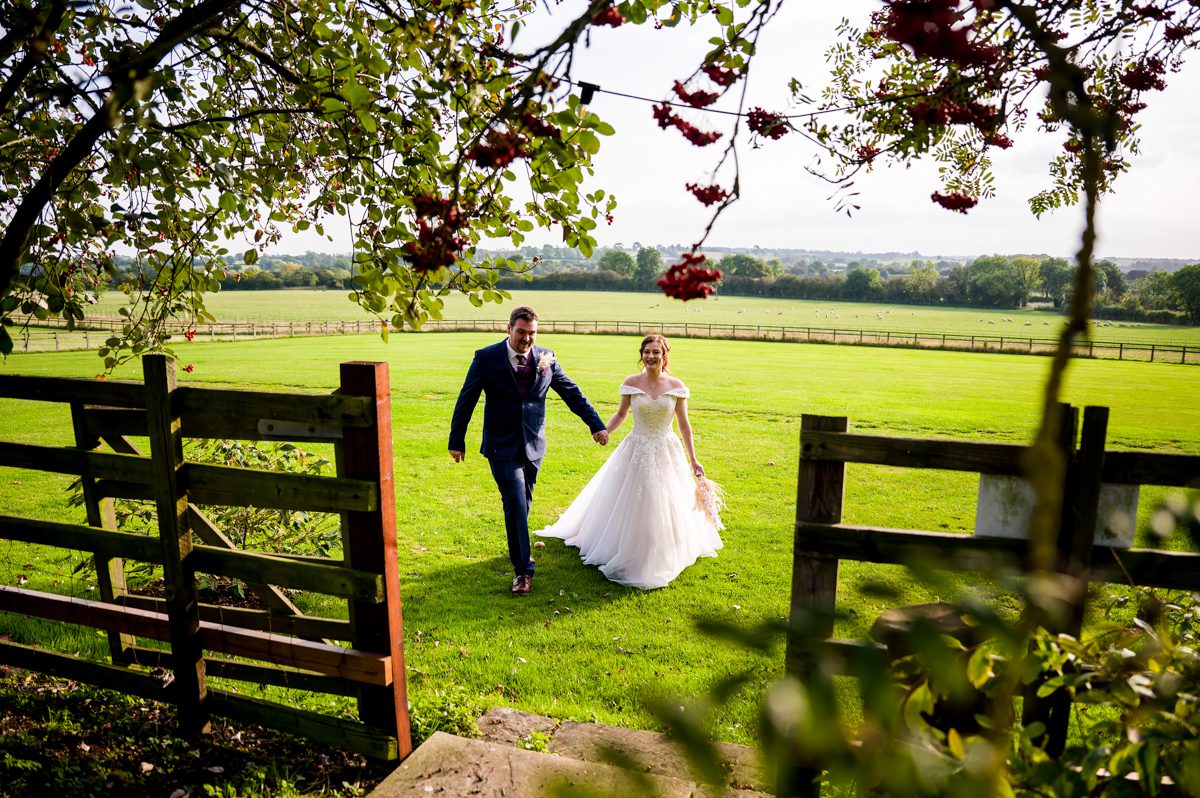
{"x": 311, "y": 270}
{"x": 991, "y": 281}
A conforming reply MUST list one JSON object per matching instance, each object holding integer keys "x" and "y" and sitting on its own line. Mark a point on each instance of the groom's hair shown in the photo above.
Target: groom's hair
{"x": 522, "y": 312}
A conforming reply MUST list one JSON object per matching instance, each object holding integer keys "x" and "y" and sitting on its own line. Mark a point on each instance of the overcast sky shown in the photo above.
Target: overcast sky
{"x": 1151, "y": 215}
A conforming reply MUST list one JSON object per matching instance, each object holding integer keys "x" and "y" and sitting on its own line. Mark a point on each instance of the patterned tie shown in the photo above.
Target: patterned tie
{"x": 524, "y": 375}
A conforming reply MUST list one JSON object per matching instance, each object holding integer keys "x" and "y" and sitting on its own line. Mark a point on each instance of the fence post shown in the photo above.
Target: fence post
{"x": 370, "y": 545}
{"x": 170, "y": 495}
{"x": 110, "y": 571}
{"x": 1081, "y": 496}
{"x": 1151, "y": 353}
{"x": 820, "y": 486}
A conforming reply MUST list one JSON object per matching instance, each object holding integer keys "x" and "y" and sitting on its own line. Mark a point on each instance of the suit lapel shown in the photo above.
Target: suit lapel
{"x": 537, "y": 373}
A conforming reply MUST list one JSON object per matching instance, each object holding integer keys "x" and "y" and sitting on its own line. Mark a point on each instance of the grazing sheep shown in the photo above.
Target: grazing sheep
{"x": 1028, "y": 324}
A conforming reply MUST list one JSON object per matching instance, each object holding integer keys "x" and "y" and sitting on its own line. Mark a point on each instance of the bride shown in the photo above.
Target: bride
{"x": 638, "y": 517}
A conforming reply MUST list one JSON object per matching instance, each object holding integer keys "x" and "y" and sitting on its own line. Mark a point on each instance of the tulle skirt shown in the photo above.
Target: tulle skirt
{"x": 637, "y": 517}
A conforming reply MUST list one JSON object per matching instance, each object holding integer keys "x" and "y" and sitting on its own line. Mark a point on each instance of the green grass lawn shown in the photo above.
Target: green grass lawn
{"x": 581, "y": 647}
{"x": 320, "y": 305}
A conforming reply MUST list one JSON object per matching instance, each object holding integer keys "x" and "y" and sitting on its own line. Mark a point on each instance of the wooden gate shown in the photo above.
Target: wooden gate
{"x": 822, "y": 540}
{"x": 276, "y": 646}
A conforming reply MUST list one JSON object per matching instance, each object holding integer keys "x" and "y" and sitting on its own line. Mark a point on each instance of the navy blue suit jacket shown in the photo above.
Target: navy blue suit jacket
{"x": 512, "y": 424}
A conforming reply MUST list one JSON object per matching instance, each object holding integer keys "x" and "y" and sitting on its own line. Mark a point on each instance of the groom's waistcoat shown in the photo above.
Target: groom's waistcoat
{"x": 514, "y": 420}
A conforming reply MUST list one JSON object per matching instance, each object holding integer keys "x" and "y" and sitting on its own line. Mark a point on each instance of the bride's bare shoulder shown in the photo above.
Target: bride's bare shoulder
{"x": 674, "y": 382}
{"x": 632, "y": 379}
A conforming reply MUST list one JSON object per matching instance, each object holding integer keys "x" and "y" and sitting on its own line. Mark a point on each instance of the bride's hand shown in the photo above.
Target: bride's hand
{"x": 697, "y": 469}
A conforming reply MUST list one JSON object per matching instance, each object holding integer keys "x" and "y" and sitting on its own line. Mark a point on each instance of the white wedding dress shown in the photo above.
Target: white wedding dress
{"x": 637, "y": 517}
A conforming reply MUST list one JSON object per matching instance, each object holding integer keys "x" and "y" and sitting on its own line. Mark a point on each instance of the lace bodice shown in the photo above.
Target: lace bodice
{"x": 652, "y": 417}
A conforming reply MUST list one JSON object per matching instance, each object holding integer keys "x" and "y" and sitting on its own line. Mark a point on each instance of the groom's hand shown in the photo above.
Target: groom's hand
{"x": 458, "y": 456}
{"x": 601, "y": 437}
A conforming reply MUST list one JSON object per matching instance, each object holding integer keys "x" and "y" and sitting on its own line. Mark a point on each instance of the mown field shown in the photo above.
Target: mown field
{"x": 317, "y": 305}
{"x": 580, "y": 647}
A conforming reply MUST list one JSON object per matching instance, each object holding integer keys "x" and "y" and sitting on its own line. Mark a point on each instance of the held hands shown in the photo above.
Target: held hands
{"x": 458, "y": 456}
{"x": 601, "y": 437}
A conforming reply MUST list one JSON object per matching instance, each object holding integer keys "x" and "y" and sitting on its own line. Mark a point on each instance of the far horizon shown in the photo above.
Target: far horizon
{"x": 890, "y": 255}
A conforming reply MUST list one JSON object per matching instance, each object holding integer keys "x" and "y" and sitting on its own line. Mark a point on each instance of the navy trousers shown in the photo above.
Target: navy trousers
{"x": 515, "y": 479}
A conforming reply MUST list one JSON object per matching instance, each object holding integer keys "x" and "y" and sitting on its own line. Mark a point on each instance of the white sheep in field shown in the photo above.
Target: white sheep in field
{"x": 1028, "y": 324}
{"x": 992, "y": 321}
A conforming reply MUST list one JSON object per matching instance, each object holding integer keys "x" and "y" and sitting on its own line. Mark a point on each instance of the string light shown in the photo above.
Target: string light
{"x": 588, "y": 91}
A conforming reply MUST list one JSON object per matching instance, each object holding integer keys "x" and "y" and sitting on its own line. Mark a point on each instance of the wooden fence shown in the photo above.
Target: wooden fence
{"x": 276, "y": 646}
{"x": 1008, "y": 344}
{"x": 821, "y": 540}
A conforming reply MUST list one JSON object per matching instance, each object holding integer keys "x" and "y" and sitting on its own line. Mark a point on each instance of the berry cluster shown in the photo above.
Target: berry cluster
{"x": 944, "y": 111}
{"x": 536, "y": 126}
{"x": 1152, "y": 12}
{"x": 928, "y": 27}
{"x": 1145, "y": 76}
{"x": 696, "y": 99}
{"x": 436, "y": 245}
{"x": 998, "y": 140}
{"x": 767, "y": 124}
{"x": 719, "y": 75}
{"x": 688, "y": 279}
{"x": 866, "y": 152}
{"x": 500, "y": 150}
{"x": 957, "y": 201}
{"x": 609, "y": 16}
{"x": 667, "y": 118}
{"x": 709, "y": 195}
{"x": 1177, "y": 33}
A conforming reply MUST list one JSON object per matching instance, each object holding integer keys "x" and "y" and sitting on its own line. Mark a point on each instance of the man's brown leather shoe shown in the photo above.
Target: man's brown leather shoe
{"x": 522, "y": 585}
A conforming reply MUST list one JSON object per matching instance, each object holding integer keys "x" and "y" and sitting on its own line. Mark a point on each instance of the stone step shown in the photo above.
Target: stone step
{"x": 653, "y": 752}
{"x": 447, "y": 766}
{"x": 495, "y": 767}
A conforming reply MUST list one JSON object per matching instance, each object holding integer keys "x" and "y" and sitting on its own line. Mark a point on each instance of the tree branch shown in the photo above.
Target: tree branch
{"x": 38, "y": 46}
{"x": 123, "y": 77}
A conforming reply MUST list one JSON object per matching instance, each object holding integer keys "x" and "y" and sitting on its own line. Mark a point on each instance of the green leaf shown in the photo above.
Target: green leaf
{"x": 979, "y": 668}
{"x": 251, "y": 257}
{"x": 227, "y": 202}
{"x": 6, "y": 342}
{"x": 356, "y": 94}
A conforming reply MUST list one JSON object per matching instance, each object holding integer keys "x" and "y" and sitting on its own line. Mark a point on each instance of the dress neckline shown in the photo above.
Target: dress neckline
{"x": 647, "y": 394}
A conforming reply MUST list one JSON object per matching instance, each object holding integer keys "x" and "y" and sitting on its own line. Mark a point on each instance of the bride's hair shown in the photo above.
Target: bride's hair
{"x": 655, "y": 338}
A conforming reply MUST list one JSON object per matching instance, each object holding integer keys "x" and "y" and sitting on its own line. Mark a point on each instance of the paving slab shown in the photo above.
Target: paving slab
{"x": 652, "y": 752}
{"x": 446, "y": 766}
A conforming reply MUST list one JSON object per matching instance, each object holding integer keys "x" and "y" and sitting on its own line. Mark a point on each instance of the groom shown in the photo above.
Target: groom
{"x": 515, "y": 375}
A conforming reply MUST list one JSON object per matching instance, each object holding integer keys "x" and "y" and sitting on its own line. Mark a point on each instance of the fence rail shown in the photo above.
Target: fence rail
{"x": 982, "y": 342}
{"x": 288, "y": 647}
